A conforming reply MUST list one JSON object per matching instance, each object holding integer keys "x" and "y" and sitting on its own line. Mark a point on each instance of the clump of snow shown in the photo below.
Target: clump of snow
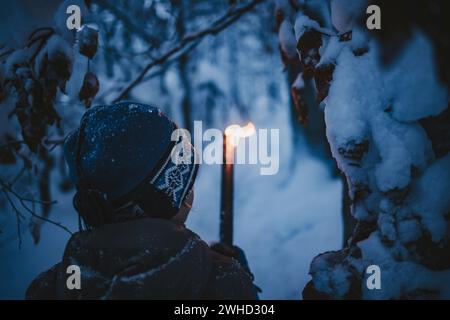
{"x": 409, "y": 230}
{"x": 330, "y": 51}
{"x": 15, "y": 59}
{"x": 359, "y": 39}
{"x": 346, "y": 112}
{"x": 345, "y": 12}
{"x": 333, "y": 281}
{"x": 386, "y": 222}
{"x": 401, "y": 147}
{"x": 56, "y": 45}
{"x": 330, "y": 276}
{"x": 429, "y": 198}
{"x": 299, "y": 83}
{"x": 287, "y": 39}
{"x": 302, "y": 24}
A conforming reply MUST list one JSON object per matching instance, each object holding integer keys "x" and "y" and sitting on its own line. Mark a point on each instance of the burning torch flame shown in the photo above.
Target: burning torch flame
{"x": 235, "y": 132}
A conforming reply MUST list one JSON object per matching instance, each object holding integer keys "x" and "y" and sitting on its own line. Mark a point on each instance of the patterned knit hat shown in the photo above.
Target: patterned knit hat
{"x": 122, "y": 151}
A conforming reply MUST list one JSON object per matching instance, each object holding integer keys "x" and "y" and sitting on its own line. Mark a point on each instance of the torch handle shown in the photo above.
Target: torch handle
{"x": 226, "y": 205}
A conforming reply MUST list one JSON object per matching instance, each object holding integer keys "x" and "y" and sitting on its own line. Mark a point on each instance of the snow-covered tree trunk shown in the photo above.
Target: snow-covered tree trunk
{"x": 388, "y": 129}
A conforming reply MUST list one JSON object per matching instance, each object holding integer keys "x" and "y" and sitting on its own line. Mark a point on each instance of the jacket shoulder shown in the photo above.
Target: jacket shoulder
{"x": 43, "y": 286}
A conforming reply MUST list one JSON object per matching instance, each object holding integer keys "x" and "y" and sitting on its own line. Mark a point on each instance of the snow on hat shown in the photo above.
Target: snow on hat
{"x": 120, "y": 150}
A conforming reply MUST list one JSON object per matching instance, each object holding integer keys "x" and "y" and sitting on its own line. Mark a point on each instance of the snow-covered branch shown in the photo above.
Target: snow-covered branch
{"x": 214, "y": 28}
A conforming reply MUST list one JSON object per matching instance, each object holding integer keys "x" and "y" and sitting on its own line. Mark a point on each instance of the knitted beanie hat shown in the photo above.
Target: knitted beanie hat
{"x": 121, "y": 155}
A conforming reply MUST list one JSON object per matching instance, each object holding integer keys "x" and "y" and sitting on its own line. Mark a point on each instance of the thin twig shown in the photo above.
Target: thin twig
{"x": 6, "y": 189}
{"x": 18, "y": 176}
{"x": 51, "y": 144}
{"x": 43, "y": 218}
{"x": 155, "y": 73}
{"x": 38, "y": 30}
{"x": 18, "y": 216}
{"x": 7, "y": 52}
{"x": 12, "y": 144}
{"x": 217, "y": 26}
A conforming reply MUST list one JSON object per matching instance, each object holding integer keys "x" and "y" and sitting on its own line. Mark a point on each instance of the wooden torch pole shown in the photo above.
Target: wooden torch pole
{"x": 226, "y": 205}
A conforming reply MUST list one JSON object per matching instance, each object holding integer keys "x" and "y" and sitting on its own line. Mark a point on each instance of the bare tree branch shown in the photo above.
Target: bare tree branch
{"x": 12, "y": 144}
{"x": 7, "y": 190}
{"x": 155, "y": 73}
{"x": 127, "y": 21}
{"x": 217, "y": 26}
{"x": 18, "y": 216}
{"x": 51, "y": 143}
{"x": 18, "y": 176}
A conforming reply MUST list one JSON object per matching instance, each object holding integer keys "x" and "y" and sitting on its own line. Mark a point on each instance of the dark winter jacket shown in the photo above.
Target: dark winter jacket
{"x": 144, "y": 259}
